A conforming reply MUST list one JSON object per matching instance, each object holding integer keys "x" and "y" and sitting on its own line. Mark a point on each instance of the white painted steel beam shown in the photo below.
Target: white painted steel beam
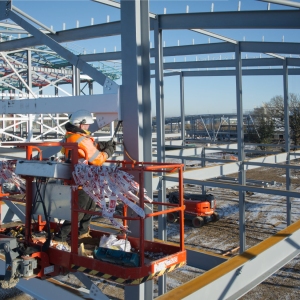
{"x": 105, "y": 103}
{"x": 237, "y": 276}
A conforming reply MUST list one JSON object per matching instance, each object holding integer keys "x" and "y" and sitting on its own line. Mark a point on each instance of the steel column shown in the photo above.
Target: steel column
{"x": 91, "y": 90}
{"x": 160, "y": 127}
{"x": 76, "y": 81}
{"x": 136, "y": 105}
{"x": 182, "y": 110}
{"x": 241, "y": 152}
{"x": 29, "y": 90}
{"x": 287, "y": 139}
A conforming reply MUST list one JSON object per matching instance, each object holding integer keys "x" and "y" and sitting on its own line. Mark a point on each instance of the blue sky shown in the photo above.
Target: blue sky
{"x": 202, "y": 95}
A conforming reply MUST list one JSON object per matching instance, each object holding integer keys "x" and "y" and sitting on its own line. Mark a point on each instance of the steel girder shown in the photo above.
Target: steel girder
{"x": 230, "y": 63}
{"x": 276, "y": 19}
{"x": 262, "y": 72}
{"x": 75, "y": 34}
{"x": 287, "y": 19}
{"x": 221, "y": 170}
{"x": 221, "y": 47}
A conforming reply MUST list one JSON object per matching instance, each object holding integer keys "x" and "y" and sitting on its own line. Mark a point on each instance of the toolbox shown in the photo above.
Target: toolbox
{"x": 119, "y": 257}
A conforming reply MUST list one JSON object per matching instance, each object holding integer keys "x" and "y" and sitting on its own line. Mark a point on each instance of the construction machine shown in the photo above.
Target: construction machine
{"x": 200, "y": 209}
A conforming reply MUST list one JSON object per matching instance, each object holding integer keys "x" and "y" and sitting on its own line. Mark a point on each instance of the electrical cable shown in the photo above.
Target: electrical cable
{"x": 118, "y": 129}
{"x": 39, "y": 183}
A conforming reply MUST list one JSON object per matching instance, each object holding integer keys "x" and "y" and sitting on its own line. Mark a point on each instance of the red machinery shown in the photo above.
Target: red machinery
{"x": 200, "y": 209}
{"x": 34, "y": 257}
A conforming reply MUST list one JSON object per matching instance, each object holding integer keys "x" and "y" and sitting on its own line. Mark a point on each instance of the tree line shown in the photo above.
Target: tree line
{"x": 269, "y": 118}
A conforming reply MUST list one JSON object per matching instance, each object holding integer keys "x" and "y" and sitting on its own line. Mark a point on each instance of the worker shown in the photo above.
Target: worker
{"x": 97, "y": 154}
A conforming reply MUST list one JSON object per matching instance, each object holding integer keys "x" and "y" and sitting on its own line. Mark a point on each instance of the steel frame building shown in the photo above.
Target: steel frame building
{"x": 133, "y": 99}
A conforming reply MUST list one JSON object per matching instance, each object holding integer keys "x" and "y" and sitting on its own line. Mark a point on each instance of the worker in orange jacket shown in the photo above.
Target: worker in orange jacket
{"x": 97, "y": 154}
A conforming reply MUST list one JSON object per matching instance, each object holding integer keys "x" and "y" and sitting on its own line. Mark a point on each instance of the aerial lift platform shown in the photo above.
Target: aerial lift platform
{"x": 30, "y": 254}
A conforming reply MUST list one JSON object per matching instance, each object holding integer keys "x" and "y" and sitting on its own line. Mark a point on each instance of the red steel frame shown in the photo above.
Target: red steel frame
{"x": 70, "y": 261}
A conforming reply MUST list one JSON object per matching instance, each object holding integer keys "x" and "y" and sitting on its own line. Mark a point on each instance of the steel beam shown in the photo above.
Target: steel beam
{"x": 38, "y": 288}
{"x": 198, "y": 49}
{"x": 237, "y": 276}
{"x": 221, "y": 170}
{"x": 201, "y": 260}
{"x": 270, "y": 19}
{"x": 75, "y": 34}
{"x": 275, "y": 19}
{"x": 105, "y": 103}
{"x": 258, "y": 72}
{"x": 283, "y": 48}
{"x": 229, "y": 63}
{"x": 235, "y": 187}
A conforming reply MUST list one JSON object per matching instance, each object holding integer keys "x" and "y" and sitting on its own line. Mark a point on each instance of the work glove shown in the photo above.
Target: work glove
{"x": 112, "y": 144}
{"x": 103, "y": 145}
{"x": 109, "y": 150}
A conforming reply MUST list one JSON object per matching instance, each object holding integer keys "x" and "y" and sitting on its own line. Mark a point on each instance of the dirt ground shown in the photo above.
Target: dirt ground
{"x": 265, "y": 215}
